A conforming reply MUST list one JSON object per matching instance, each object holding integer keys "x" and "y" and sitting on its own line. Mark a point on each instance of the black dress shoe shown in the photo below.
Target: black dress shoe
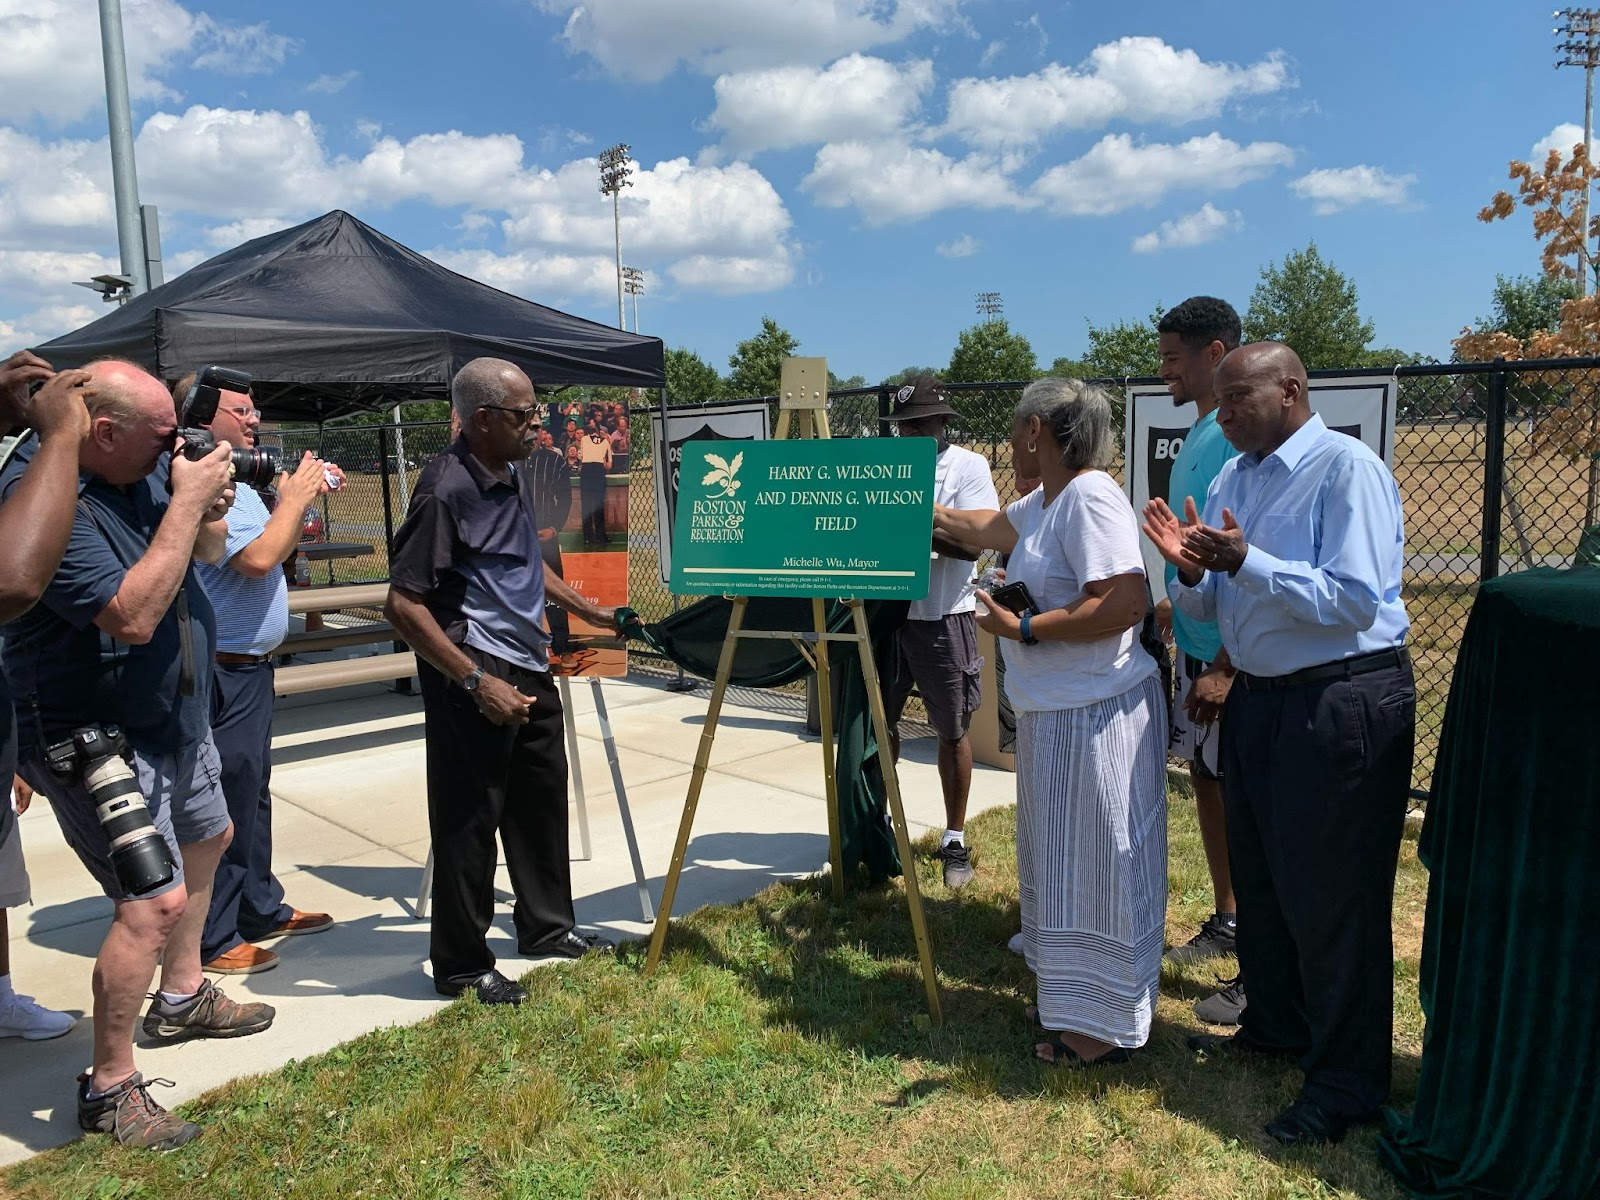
{"x": 570, "y": 945}
{"x": 491, "y": 988}
{"x": 1307, "y": 1123}
{"x": 1236, "y": 1045}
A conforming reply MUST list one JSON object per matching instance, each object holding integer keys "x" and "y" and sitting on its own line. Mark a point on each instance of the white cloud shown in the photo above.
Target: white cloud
{"x": 894, "y": 181}
{"x": 964, "y": 246}
{"x": 592, "y": 276}
{"x": 1334, "y": 189}
{"x": 43, "y": 324}
{"x": 235, "y": 233}
{"x": 1193, "y": 229}
{"x": 1117, "y": 174}
{"x": 241, "y": 49}
{"x": 52, "y": 192}
{"x": 856, "y": 97}
{"x": 645, "y": 40}
{"x": 1135, "y": 79}
{"x": 51, "y": 68}
{"x": 327, "y": 85}
{"x": 1562, "y": 138}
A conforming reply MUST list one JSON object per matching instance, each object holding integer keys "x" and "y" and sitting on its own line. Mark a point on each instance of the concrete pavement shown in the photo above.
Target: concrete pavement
{"x": 350, "y": 833}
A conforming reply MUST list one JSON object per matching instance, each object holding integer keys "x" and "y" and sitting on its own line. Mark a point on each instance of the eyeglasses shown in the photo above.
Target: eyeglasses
{"x": 245, "y": 414}
{"x": 522, "y": 416}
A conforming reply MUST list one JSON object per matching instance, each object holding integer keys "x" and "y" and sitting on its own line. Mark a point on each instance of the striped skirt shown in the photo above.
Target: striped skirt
{"x": 1092, "y": 861}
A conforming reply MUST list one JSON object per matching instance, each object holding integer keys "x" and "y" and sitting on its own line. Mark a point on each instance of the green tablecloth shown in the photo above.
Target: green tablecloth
{"x": 1510, "y": 983}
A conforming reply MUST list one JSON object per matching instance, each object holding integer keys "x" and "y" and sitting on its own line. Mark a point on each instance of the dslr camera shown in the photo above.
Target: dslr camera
{"x": 97, "y": 756}
{"x": 256, "y": 466}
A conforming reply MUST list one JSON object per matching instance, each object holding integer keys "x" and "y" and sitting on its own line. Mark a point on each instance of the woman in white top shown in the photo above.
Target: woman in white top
{"x": 1091, "y": 729}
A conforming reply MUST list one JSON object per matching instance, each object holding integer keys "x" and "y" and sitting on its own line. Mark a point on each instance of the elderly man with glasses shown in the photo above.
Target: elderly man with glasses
{"x": 249, "y": 592}
{"x": 467, "y": 590}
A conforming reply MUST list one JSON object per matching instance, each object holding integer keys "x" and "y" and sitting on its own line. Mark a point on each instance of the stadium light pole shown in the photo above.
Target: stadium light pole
{"x": 633, "y": 284}
{"x": 989, "y": 305}
{"x": 124, "y": 175}
{"x": 1580, "y": 47}
{"x": 614, "y": 172}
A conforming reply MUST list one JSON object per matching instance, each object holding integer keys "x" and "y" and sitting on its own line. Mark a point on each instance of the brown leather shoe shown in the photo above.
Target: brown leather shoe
{"x": 300, "y": 922}
{"x": 243, "y": 959}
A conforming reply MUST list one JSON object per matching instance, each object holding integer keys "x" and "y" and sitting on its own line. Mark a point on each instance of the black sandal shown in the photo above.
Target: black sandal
{"x": 1063, "y": 1055}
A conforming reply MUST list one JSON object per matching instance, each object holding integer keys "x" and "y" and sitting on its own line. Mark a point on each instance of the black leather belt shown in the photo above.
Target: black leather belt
{"x": 229, "y": 659}
{"x": 1345, "y": 668}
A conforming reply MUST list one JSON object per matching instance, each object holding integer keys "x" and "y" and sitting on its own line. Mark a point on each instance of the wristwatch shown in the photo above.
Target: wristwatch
{"x": 1027, "y": 630}
{"x": 473, "y": 679}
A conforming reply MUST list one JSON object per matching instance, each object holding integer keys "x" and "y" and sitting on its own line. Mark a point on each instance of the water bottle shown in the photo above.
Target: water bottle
{"x": 302, "y": 570}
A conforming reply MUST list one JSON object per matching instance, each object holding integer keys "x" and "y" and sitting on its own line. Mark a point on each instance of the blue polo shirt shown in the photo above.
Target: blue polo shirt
{"x": 64, "y": 672}
{"x": 252, "y": 614}
{"x": 1205, "y": 452}
{"x": 470, "y": 548}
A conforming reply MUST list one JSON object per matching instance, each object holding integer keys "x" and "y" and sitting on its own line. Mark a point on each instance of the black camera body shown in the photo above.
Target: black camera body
{"x": 97, "y": 756}
{"x": 257, "y": 466}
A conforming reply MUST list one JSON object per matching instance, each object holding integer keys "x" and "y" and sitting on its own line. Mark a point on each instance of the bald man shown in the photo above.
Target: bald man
{"x": 124, "y": 636}
{"x": 1298, "y": 558}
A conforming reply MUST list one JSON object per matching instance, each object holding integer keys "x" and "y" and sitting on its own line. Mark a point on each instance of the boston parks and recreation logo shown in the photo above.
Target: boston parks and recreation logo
{"x": 717, "y": 516}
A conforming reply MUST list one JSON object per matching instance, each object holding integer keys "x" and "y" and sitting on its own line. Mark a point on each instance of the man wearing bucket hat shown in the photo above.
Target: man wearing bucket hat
{"x": 939, "y": 641}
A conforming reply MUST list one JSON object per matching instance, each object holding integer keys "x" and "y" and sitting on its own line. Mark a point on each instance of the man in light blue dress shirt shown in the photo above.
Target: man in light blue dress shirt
{"x": 1298, "y": 558}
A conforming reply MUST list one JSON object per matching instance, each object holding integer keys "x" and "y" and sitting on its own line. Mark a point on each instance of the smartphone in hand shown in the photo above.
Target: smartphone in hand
{"x": 1017, "y": 598}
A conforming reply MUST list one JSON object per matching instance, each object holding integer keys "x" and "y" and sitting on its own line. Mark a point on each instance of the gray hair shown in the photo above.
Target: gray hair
{"x": 483, "y": 381}
{"x": 1077, "y": 415}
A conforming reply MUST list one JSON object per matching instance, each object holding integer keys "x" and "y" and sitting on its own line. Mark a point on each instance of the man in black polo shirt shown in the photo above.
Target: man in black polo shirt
{"x": 467, "y": 592}
{"x": 124, "y": 636}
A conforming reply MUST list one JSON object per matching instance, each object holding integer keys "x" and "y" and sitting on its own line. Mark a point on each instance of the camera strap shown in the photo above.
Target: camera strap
{"x": 186, "y": 678}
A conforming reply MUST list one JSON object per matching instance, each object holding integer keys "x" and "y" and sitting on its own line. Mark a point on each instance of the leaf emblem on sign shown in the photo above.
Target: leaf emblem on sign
{"x": 723, "y": 474}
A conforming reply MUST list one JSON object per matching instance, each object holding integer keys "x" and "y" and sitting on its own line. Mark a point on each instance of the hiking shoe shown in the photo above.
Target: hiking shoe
{"x": 491, "y": 988}
{"x": 208, "y": 1013}
{"x": 128, "y": 1114}
{"x": 26, "y": 1018}
{"x": 957, "y": 861}
{"x": 1225, "y": 1007}
{"x": 1216, "y": 938}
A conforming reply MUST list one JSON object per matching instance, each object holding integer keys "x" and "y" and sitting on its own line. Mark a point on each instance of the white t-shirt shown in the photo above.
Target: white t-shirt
{"x": 1087, "y": 533}
{"x": 961, "y": 479}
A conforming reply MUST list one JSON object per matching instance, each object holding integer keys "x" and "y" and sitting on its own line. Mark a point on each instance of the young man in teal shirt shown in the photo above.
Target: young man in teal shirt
{"x": 1194, "y": 336}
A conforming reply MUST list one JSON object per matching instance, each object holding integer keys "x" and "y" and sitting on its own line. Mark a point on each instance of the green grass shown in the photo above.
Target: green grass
{"x": 782, "y": 1050}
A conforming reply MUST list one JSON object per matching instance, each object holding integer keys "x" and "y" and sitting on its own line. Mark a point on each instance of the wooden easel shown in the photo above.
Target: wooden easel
{"x": 804, "y": 393}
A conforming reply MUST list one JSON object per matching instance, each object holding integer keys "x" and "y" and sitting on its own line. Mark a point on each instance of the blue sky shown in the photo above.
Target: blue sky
{"x": 857, "y": 169}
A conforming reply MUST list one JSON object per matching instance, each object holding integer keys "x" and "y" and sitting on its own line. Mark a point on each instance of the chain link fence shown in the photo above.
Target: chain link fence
{"x": 1498, "y": 467}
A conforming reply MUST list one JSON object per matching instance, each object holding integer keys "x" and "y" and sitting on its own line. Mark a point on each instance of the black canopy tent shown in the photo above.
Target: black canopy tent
{"x": 332, "y": 317}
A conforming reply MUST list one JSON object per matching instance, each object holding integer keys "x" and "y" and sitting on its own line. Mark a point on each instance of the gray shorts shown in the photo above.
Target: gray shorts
{"x": 1198, "y": 745}
{"x": 941, "y": 658}
{"x": 14, "y": 887}
{"x": 183, "y": 792}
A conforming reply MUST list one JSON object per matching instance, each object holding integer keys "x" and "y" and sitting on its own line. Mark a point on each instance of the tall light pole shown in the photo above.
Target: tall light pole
{"x": 633, "y": 284}
{"x": 124, "y": 176}
{"x": 614, "y": 172}
{"x": 989, "y": 305}
{"x": 1580, "y": 47}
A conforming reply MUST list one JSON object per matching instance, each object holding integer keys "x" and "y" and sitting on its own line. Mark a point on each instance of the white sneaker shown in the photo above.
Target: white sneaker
{"x": 1015, "y": 944}
{"x": 24, "y": 1017}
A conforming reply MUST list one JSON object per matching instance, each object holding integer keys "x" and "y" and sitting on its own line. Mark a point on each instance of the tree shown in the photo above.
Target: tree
{"x": 835, "y": 384}
{"x": 690, "y": 378}
{"x": 1524, "y": 305}
{"x": 907, "y": 374}
{"x": 756, "y": 364}
{"x": 1556, "y": 196}
{"x": 1122, "y": 350}
{"x": 991, "y": 353}
{"x": 1308, "y": 304}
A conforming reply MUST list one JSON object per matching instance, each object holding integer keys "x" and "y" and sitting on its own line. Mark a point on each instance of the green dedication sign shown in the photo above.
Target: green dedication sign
{"x": 825, "y": 517}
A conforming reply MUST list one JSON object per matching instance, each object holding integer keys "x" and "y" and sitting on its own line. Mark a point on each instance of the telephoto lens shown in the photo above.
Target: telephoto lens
{"x": 139, "y": 854}
{"x": 256, "y": 468}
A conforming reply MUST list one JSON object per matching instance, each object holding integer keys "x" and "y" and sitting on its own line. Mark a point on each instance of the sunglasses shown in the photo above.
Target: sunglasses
{"x": 522, "y": 416}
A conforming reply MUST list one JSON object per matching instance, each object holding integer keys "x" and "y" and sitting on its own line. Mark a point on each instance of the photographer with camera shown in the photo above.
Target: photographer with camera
{"x": 249, "y": 592}
{"x": 117, "y": 655}
{"x": 34, "y": 525}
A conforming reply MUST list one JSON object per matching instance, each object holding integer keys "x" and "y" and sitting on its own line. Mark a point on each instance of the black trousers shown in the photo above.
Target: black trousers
{"x": 485, "y": 779}
{"x": 1315, "y": 782}
{"x": 592, "y": 498}
{"x": 246, "y": 897}
{"x": 560, "y": 623}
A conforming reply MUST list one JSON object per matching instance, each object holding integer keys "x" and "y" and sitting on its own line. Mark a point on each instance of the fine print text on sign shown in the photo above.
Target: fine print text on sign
{"x": 840, "y": 517}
